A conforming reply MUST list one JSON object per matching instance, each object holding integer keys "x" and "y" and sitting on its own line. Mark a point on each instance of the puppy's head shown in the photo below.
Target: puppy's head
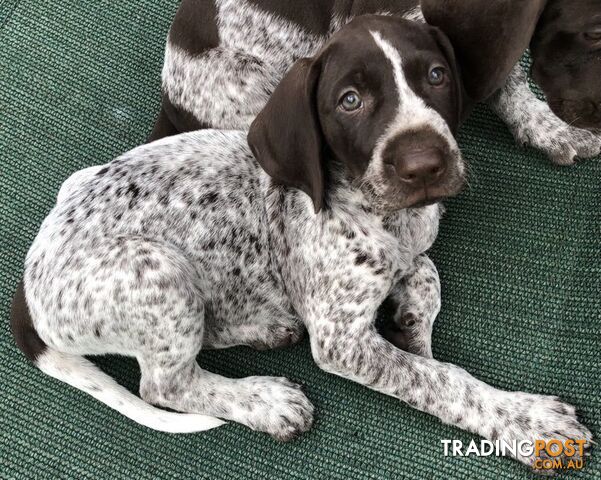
{"x": 566, "y": 54}
{"x": 382, "y": 98}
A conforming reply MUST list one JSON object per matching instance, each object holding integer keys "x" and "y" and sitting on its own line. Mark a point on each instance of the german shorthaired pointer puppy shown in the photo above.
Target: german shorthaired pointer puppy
{"x": 225, "y": 57}
{"x": 211, "y": 240}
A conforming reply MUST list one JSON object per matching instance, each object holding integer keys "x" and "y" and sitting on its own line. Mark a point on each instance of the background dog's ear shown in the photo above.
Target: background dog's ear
{"x": 489, "y": 37}
{"x": 286, "y": 136}
{"x": 459, "y": 90}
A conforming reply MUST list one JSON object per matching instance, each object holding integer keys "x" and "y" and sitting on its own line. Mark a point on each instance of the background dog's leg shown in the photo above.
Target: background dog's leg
{"x": 415, "y": 303}
{"x": 348, "y": 345}
{"x": 532, "y": 123}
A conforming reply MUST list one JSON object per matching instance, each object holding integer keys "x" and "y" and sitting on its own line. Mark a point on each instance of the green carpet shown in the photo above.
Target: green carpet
{"x": 518, "y": 255}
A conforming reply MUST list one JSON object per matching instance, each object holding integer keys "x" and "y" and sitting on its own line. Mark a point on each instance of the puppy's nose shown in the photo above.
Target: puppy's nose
{"x": 420, "y": 167}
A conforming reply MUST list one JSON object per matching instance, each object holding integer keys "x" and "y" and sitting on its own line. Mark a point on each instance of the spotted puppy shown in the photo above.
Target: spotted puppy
{"x": 224, "y": 58}
{"x": 206, "y": 241}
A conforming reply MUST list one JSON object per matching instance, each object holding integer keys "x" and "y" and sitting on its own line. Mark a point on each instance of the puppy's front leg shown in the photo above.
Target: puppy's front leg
{"x": 346, "y": 343}
{"x": 532, "y": 123}
{"x": 415, "y": 303}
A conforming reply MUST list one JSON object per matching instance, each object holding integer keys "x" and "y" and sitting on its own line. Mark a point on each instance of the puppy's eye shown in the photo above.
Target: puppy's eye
{"x": 593, "y": 36}
{"x": 351, "y": 101}
{"x": 436, "y": 76}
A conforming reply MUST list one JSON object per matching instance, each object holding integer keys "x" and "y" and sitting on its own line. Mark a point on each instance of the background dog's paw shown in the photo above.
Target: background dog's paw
{"x": 562, "y": 143}
{"x": 572, "y": 144}
{"x": 280, "y": 409}
{"x": 538, "y": 417}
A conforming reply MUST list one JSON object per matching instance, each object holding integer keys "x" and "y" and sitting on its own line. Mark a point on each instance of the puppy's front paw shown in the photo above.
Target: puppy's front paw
{"x": 537, "y": 417}
{"x": 561, "y": 142}
{"x": 280, "y": 408}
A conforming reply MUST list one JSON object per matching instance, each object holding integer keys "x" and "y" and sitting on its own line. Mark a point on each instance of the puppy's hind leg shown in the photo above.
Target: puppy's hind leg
{"x": 143, "y": 298}
{"x": 169, "y": 343}
{"x": 269, "y": 404}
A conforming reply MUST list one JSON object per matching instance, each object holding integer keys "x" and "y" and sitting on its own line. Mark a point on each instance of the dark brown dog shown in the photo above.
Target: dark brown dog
{"x": 566, "y": 52}
{"x": 565, "y": 41}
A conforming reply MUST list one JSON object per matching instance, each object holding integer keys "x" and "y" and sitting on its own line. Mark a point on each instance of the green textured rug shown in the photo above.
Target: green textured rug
{"x": 518, "y": 255}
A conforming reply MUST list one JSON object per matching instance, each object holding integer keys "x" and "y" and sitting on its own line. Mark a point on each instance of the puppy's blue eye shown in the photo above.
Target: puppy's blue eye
{"x": 436, "y": 76}
{"x": 351, "y": 101}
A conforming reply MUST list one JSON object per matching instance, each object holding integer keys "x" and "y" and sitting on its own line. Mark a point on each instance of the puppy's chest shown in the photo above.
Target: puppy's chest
{"x": 415, "y": 229}
{"x": 350, "y": 243}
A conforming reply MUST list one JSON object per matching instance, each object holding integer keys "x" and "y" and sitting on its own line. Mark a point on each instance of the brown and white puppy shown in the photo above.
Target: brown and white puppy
{"x": 187, "y": 243}
{"x": 148, "y": 255}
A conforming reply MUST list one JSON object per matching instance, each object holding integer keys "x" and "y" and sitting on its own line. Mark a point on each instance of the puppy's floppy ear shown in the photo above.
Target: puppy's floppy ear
{"x": 286, "y": 137}
{"x": 459, "y": 89}
{"x": 489, "y": 37}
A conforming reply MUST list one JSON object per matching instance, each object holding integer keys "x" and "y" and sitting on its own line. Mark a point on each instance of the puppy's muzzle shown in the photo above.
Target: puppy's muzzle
{"x": 422, "y": 164}
{"x": 420, "y": 167}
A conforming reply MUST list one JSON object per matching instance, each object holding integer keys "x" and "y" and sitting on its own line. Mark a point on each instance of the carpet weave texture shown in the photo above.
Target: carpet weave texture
{"x": 518, "y": 254}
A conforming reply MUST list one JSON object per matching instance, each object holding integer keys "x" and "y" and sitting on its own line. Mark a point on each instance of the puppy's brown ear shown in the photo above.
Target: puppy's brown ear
{"x": 459, "y": 90}
{"x": 286, "y": 138}
{"x": 489, "y": 37}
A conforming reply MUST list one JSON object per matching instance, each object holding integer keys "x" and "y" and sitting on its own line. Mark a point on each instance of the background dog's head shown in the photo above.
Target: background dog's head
{"x": 383, "y": 99}
{"x": 566, "y": 54}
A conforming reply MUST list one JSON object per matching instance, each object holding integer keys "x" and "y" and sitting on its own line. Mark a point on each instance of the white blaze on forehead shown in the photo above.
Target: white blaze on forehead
{"x": 412, "y": 112}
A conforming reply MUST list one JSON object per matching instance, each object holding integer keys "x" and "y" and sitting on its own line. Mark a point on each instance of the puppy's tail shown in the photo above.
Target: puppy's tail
{"x": 82, "y": 374}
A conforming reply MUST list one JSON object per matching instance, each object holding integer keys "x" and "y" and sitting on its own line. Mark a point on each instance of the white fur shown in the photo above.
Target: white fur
{"x": 74, "y": 181}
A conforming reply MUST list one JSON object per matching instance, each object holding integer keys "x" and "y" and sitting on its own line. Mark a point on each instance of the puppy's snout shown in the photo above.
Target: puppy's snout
{"x": 420, "y": 167}
{"x": 419, "y": 158}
